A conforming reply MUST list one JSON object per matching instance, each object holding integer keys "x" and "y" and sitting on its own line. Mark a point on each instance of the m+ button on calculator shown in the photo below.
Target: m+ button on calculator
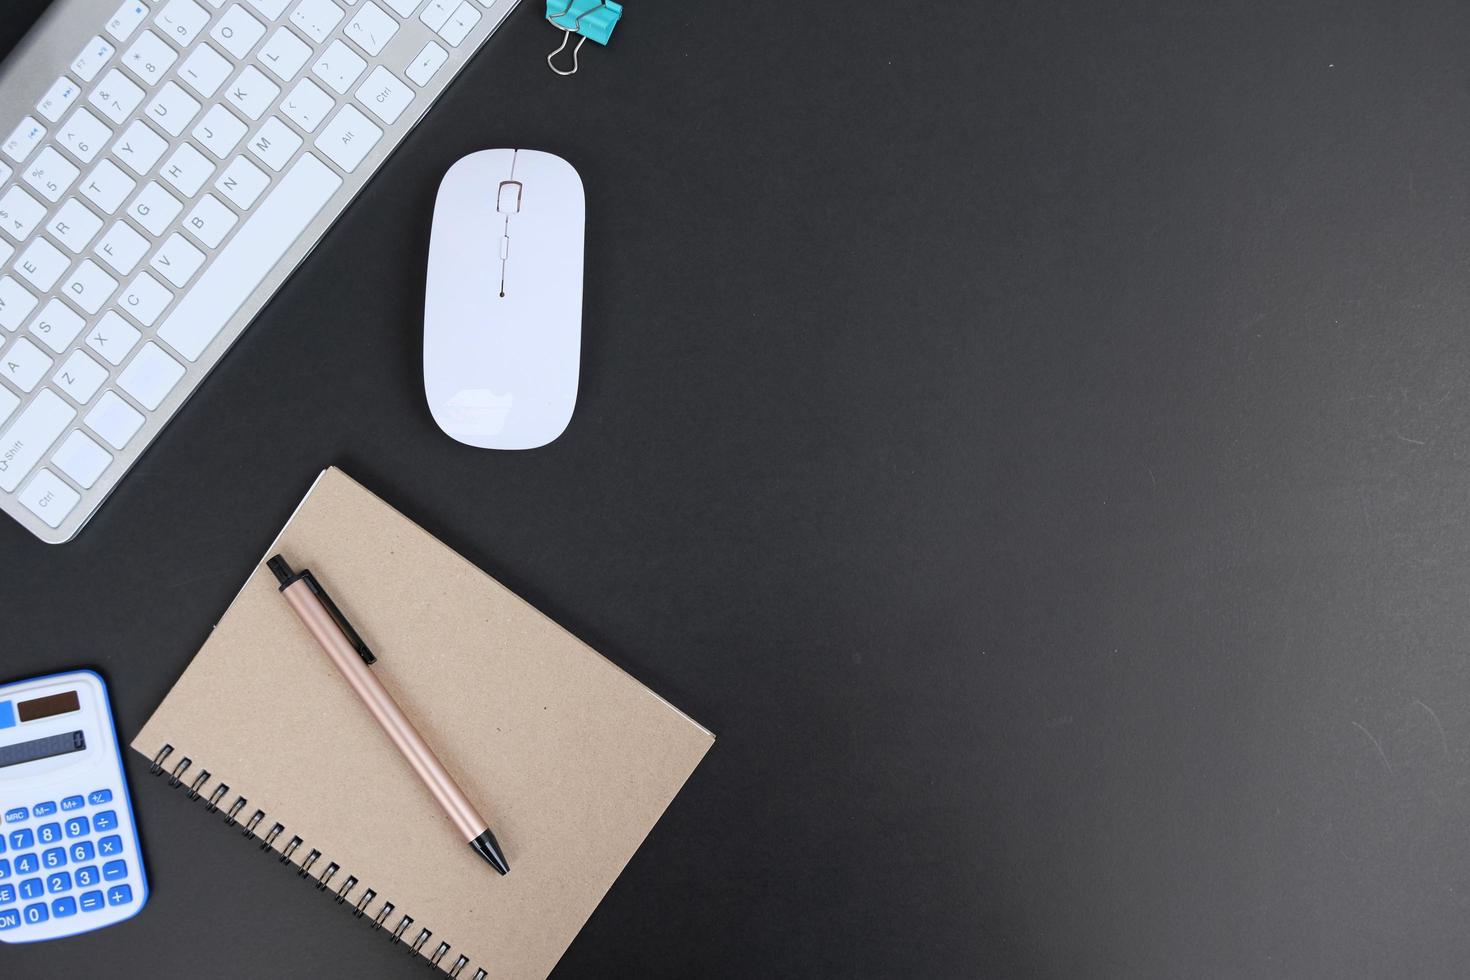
{"x": 69, "y": 855}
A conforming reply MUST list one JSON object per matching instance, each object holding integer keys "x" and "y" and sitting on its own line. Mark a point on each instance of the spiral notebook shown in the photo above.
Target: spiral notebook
{"x": 570, "y": 759}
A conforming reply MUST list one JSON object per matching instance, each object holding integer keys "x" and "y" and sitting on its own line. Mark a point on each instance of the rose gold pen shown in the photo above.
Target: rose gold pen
{"x": 352, "y": 658}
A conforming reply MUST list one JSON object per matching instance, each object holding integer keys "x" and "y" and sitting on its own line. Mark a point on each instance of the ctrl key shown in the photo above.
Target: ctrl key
{"x": 49, "y": 498}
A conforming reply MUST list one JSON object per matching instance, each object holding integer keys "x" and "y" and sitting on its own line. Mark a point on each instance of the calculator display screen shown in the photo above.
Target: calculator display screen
{"x": 42, "y": 748}
{"x": 56, "y": 704}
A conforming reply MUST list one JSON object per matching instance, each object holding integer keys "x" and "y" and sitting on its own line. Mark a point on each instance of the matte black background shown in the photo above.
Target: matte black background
{"x": 1032, "y": 435}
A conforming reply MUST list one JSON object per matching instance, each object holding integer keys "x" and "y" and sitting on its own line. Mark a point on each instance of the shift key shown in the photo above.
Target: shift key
{"x": 29, "y": 436}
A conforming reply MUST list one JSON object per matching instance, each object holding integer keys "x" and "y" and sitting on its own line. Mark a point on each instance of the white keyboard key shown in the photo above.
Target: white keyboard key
{"x": 24, "y": 444}
{"x": 122, "y": 248}
{"x": 81, "y": 459}
{"x": 173, "y": 109}
{"x": 80, "y": 377}
{"x": 51, "y": 174}
{"x": 348, "y": 138}
{"x": 307, "y": 105}
{"x": 242, "y": 182}
{"x": 275, "y": 144}
{"x": 23, "y": 139}
{"x": 316, "y": 18}
{"x": 182, "y": 20}
{"x": 15, "y": 303}
{"x": 210, "y": 221}
{"x": 74, "y": 225}
{"x": 5, "y": 171}
{"x": 187, "y": 170}
{"x": 437, "y": 12}
{"x": 252, "y": 93}
{"x": 205, "y": 70}
{"x": 220, "y": 131}
{"x": 83, "y": 136}
{"x": 155, "y": 209}
{"x": 403, "y": 8}
{"x": 249, "y": 256}
{"x": 145, "y": 299}
{"x": 339, "y": 67}
{"x": 384, "y": 95}
{"x": 6, "y": 251}
{"x": 139, "y": 148}
{"x": 237, "y": 32}
{"x": 113, "y": 338}
{"x": 177, "y": 260}
{"x": 113, "y": 419}
{"x": 58, "y": 98}
{"x": 151, "y": 376}
{"x": 41, "y": 264}
{"x": 149, "y": 58}
{"x": 20, "y": 213}
{"x": 429, "y": 61}
{"x": 49, "y": 498}
{"x": 272, "y": 9}
{"x": 57, "y": 326}
{"x": 459, "y": 24}
{"x": 284, "y": 54}
{"x": 93, "y": 57}
{"x": 9, "y": 402}
{"x": 370, "y": 29}
{"x": 24, "y": 365}
{"x": 89, "y": 287}
{"x": 116, "y": 95}
{"x": 127, "y": 19}
{"x": 108, "y": 186}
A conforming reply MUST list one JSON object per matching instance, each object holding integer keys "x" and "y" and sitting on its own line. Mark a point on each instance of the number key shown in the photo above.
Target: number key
{"x": 27, "y": 864}
{"x": 54, "y": 857}
{"x": 77, "y": 827}
{"x": 4, "y": 869}
{"x": 36, "y": 914}
{"x": 83, "y": 851}
{"x": 59, "y": 882}
{"x": 32, "y": 888}
{"x": 21, "y": 839}
{"x": 87, "y": 876}
{"x": 49, "y": 833}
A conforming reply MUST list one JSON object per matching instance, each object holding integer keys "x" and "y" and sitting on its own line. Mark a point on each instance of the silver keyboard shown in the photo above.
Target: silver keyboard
{"x": 165, "y": 166}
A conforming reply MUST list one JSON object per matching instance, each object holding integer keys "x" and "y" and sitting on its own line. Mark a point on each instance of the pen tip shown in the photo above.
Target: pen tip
{"x": 489, "y": 848}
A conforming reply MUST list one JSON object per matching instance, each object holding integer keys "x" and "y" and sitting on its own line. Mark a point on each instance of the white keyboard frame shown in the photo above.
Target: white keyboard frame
{"x": 46, "y": 53}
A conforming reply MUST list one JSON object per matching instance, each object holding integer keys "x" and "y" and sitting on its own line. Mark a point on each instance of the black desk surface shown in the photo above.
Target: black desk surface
{"x": 1034, "y": 436}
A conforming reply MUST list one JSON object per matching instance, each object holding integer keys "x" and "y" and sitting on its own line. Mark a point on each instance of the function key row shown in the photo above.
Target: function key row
{"x": 95, "y": 798}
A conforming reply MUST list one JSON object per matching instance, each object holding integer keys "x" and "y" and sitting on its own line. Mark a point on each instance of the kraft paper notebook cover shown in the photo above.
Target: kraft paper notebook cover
{"x": 570, "y": 759}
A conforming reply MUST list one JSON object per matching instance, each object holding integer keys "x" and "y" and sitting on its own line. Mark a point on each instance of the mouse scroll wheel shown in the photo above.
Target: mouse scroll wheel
{"x": 509, "y": 200}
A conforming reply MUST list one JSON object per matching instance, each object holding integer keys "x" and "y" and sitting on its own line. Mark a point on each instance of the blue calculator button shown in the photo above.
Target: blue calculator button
{"x": 113, "y": 870}
{"x": 72, "y": 803}
{"x": 108, "y": 846}
{"x": 2, "y": 843}
{"x": 7, "y": 714}
{"x": 105, "y": 820}
{"x": 54, "y": 858}
{"x": 36, "y": 914}
{"x": 44, "y": 809}
{"x": 7, "y": 894}
{"x": 83, "y": 851}
{"x": 31, "y": 888}
{"x": 119, "y": 895}
{"x": 58, "y": 883}
{"x": 21, "y": 839}
{"x": 4, "y": 869}
{"x": 26, "y": 864}
{"x": 99, "y": 796}
{"x": 48, "y": 833}
{"x": 79, "y": 827}
{"x": 16, "y": 814}
{"x": 87, "y": 877}
{"x": 63, "y": 907}
{"x": 91, "y": 901}
{"x": 9, "y": 919}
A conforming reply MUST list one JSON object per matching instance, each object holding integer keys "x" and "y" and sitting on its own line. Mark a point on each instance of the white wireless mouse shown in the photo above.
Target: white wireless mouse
{"x": 503, "y": 311}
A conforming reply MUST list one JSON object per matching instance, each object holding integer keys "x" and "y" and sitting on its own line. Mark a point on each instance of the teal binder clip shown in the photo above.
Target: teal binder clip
{"x": 593, "y": 19}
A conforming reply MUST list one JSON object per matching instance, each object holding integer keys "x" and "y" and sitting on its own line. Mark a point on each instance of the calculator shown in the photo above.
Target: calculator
{"x": 69, "y": 855}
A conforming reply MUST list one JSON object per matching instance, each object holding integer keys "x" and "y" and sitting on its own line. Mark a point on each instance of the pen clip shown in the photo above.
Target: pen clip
{"x": 341, "y": 620}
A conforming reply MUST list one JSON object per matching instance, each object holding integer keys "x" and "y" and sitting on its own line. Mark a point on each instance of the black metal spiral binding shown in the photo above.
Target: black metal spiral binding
{"x": 322, "y": 881}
